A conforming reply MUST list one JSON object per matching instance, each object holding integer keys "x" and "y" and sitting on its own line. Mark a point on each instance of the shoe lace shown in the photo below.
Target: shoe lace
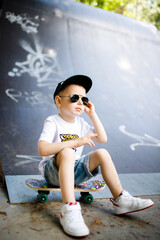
{"x": 134, "y": 199}
{"x": 128, "y": 196}
{"x": 74, "y": 215}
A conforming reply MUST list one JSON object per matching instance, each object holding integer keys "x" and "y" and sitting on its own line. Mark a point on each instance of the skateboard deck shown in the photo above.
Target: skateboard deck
{"x": 84, "y": 188}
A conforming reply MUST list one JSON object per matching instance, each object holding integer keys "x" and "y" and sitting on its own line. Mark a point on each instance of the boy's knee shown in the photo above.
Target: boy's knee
{"x": 102, "y": 153}
{"x": 66, "y": 154}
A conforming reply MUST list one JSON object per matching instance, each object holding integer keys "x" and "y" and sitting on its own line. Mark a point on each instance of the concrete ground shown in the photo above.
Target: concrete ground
{"x": 41, "y": 221}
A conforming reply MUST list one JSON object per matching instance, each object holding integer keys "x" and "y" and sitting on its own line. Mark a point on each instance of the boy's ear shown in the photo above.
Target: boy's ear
{"x": 57, "y": 100}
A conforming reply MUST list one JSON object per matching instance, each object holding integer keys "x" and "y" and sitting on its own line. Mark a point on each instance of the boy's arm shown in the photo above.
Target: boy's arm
{"x": 98, "y": 127}
{"x": 45, "y": 148}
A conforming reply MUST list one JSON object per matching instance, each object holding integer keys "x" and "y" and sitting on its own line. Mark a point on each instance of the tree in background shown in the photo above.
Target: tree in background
{"x": 143, "y": 10}
{"x": 150, "y": 12}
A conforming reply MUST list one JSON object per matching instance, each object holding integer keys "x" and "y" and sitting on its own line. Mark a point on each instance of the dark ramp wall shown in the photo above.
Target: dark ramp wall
{"x": 44, "y": 42}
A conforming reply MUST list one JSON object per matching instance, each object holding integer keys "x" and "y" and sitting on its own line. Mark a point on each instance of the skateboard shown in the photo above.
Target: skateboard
{"x": 84, "y": 188}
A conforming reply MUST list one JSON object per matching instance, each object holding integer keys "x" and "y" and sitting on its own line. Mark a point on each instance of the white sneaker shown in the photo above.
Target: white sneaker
{"x": 127, "y": 204}
{"x": 72, "y": 221}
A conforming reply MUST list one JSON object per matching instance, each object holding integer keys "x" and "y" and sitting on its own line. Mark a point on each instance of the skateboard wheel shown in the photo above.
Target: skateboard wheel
{"x": 88, "y": 198}
{"x": 42, "y": 198}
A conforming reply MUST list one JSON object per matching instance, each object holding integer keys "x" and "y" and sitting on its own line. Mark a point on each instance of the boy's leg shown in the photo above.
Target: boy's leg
{"x": 102, "y": 158}
{"x": 123, "y": 202}
{"x": 65, "y": 162}
{"x": 70, "y": 217}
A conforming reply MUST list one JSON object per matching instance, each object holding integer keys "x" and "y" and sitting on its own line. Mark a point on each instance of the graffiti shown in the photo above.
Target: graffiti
{"x": 33, "y": 98}
{"x": 26, "y": 22}
{"x": 38, "y": 64}
{"x": 28, "y": 159}
{"x": 145, "y": 140}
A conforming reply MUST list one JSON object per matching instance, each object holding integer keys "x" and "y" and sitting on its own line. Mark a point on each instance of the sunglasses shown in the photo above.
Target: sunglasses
{"x": 74, "y": 98}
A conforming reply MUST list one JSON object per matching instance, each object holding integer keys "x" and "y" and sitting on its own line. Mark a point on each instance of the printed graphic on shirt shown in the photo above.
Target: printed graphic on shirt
{"x": 68, "y": 137}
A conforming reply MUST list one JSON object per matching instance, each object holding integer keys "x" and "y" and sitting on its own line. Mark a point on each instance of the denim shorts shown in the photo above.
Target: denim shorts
{"x": 81, "y": 171}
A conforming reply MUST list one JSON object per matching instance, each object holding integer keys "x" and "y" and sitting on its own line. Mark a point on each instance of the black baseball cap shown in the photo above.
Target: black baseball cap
{"x": 81, "y": 80}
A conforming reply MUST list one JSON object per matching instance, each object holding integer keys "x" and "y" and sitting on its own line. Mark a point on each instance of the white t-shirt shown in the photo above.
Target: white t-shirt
{"x": 57, "y": 130}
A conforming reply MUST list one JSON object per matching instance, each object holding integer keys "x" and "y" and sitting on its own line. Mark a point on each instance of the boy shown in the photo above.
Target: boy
{"x": 61, "y": 144}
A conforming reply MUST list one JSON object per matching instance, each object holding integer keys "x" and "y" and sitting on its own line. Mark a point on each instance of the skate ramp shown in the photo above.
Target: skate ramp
{"x": 44, "y": 42}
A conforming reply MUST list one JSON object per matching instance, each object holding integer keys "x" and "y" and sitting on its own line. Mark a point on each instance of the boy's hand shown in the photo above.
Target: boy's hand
{"x": 86, "y": 140}
{"x": 89, "y": 109}
{"x": 101, "y": 136}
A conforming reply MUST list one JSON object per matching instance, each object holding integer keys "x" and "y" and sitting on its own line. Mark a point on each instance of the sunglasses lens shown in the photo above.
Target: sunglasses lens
{"x": 74, "y": 98}
{"x": 85, "y": 100}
